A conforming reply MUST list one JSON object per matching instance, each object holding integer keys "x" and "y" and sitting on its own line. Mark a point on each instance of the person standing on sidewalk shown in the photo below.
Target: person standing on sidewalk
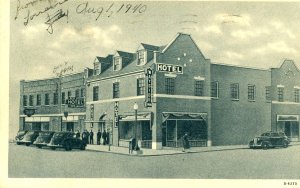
{"x": 91, "y": 137}
{"x": 186, "y": 144}
{"x": 98, "y": 137}
{"x": 104, "y": 137}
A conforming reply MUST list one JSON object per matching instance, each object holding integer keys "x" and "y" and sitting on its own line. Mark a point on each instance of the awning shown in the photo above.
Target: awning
{"x": 140, "y": 117}
{"x": 70, "y": 118}
{"x": 184, "y": 116}
{"x": 287, "y": 118}
{"x": 37, "y": 119}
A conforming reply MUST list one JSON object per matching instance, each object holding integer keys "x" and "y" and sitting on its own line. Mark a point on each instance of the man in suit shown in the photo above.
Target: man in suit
{"x": 98, "y": 137}
{"x": 91, "y": 137}
{"x": 104, "y": 134}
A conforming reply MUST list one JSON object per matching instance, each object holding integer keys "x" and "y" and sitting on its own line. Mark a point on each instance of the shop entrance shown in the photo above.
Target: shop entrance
{"x": 70, "y": 126}
{"x": 289, "y": 124}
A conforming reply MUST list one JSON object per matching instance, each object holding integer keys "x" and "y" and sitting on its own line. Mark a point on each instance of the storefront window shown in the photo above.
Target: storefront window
{"x": 126, "y": 130}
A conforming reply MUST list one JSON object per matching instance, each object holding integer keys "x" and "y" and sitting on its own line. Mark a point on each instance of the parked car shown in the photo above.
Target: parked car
{"x": 66, "y": 140}
{"x": 28, "y": 138}
{"x": 20, "y": 135}
{"x": 269, "y": 140}
{"x": 43, "y": 139}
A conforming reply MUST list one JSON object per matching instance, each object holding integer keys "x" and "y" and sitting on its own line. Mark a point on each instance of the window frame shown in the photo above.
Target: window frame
{"x": 251, "y": 92}
{"x": 31, "y": 100}
{"x": 296, "y": 95}
{"x": 95, "y": 93}
{"x": 117, "y": 65}
{"x": 212, "y": 89}
{"x": 268, "y": 93}
{"x": 141, "y": 58}
{"x": 47, "y": 99}
{"x": 169, "y": 86}
{"x": 116, "y": 90}
{"x": 38, "y": 100}
{"x": 55, "y": 98}
{"x": 280, "y": 94}
{"x": 25, "y": 100}
{"x": 199, "y": 88}
{"x": 140, "y": 86}
{"x": 234, "y": 91}
{"x": 63, "y": 97}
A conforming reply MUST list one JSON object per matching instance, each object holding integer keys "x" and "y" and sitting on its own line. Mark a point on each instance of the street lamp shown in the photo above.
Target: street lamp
{"x": 136, "y": 107}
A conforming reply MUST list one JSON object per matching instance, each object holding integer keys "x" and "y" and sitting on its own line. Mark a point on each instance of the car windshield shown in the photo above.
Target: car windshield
{"x": 59, "y": 134}
{"x": 45, "y": 133}
{"x": 21, "y": 133}
{"x": 30, "y": 133}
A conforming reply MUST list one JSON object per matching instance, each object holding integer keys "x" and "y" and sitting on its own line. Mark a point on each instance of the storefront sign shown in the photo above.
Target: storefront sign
{"x": 169, "y": 68}
{"x": 287, "y": 118}
{"x": 148, "y": 85}
{"x": 116, "y": 116}
{"x": 74, "y": 102}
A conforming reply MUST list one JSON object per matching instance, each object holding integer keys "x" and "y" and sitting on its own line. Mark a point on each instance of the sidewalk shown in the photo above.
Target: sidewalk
{"x": 165, "y": 151}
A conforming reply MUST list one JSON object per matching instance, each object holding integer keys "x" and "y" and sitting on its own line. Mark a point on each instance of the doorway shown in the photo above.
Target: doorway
{"x": 291, "y": 130}
{"x": 70, "y": 126}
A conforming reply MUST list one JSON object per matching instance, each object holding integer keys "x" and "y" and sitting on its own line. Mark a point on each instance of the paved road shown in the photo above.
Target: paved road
{"x": 233, "y": 164}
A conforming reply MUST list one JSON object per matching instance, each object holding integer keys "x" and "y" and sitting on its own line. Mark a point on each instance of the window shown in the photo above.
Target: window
{"x": 234, "y": 91}
{"x": 38, "y": 99}
{"x": 69, "y": 94}
{"x": 141, "y": 57}
{"x": 215, "y": 89}
{"x": 199, "y": 86}
{"x": 82, "y": 94}
{"x": 140, "y": 86}
{"x": 170, "y": 86}
{"x": 268, "y": 93}
{"x": 55, "y": 98}
{"x": 251, "y": 92}
{"x": 47, "y": 100}
{"x": 95, "y": 93}
{"x": 116, "y": 90}
{"x": 77, "y": 93}
{"x": 96, "y": 68}
{"x": 63, "y": 98}
{"x": 117, "y": 63}
{"x": 296, "y": 94}
{"x": 24, "y": 100}
{"x": 30, "y": 100}
{"x": 280, "y": 94}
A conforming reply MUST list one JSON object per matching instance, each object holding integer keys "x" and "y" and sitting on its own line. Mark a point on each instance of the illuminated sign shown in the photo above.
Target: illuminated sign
{"x": 148, "y": 85}
{"x": 169, "y": 68}
{"x": 74, "y": 102}
{"x": 116, "y": 114}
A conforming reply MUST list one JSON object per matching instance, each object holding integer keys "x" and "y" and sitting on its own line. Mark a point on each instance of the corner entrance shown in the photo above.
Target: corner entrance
{"x": 289, "y": 124}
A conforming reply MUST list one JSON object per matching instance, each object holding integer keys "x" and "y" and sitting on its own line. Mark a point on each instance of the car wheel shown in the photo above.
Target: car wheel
{"x": 285, "y": 144}
{"x": 38, "y": 146}
{"x": 53, "y": 148}
{"x": 265, "y": 145}
{"x": 27, "y": 144}
{"x": 18, "y": 143}
{"x": 82, "y": 147}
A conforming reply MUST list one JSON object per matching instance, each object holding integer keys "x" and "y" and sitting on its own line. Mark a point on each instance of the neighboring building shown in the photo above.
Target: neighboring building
{"x": 158, "y": 93}
{"x": 48, "y": 98}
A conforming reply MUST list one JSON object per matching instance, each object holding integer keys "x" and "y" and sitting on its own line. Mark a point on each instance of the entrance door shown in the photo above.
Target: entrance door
{"x": 70, "y": 126}
{"x": 291, "y": 130}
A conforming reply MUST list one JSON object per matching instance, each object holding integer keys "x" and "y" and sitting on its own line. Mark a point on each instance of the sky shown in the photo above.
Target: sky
{"x": 252, "y": 34}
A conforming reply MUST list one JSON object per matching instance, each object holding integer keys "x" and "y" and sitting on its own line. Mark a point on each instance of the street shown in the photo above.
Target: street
{"x": 278, "y": 163}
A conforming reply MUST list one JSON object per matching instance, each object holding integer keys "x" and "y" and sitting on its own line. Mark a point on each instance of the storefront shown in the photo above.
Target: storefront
{"x": 289, "y": 124}
{"x": 139, "y": 127}
{"x": 37, "y": 123}
{"x": 176, "y": 124}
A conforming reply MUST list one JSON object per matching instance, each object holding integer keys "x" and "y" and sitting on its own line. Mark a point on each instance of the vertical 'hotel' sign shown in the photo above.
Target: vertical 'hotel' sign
{"x": 148, "y": 97}
{"x": 116, "y": 114}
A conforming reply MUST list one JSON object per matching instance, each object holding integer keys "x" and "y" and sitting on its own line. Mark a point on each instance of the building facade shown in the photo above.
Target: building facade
{"x": 158, "y": 93}
{"x": 48, "y": 99}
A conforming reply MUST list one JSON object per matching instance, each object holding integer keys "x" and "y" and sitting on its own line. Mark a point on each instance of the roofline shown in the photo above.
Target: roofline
{"x": 282, "y": 62}
{"x": 52, "y": 78}
{"x": 115, "y": 76}
{"x": 238, "y": 66}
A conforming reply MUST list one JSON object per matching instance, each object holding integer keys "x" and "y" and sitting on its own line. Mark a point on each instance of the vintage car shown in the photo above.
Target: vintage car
{"x": 43, "y": 139}
{"x": 20, "y": 135}
{"x": 66, "y": 140}
{"x": 28, "y": 138}
{"x": 269, "y": 140}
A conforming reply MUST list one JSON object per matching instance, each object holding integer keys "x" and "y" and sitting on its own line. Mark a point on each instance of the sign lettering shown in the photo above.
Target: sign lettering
{"x": 74, "y": 102}
{"x": 169, "y": 68}
{"x": 148, "y": 85}
{"x": 116, "y": 114}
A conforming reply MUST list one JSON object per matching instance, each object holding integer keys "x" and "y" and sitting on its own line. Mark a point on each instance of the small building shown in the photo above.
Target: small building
{"x": 47, "y": 101}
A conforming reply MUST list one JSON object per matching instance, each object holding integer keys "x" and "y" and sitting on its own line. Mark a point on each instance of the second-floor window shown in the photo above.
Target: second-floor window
{"x": 82, "y": 94}
{"x": 38, "y": 100}
{"x": 234, "y": 91}
{"x": 116, "y": 90}
{"x": 95, "y": 93}
{"x": 268, "y": 93}
{"x": 141, "y": 57}
{"x": 251, "y": 92}
{"x": 96, "y": 68}
{"x": 69, "y": 94}
{"x": 140, "y": 86}
{"x": 296, "y": 94}
{"x": 77, "y": 93}
{"x": 24, "y": 100}
{"x": 30, "y": 100}
{"x": 215, "y": 89}
{"x": 199, "y": 87}
{"x": 55, "y": 98}
{"x": 170, "y": 86}
{"x": 47, "y": 99}
{"x": 63, "y": 98}
{"x": 117, "y": 63}
{"x": 280, "y": 94}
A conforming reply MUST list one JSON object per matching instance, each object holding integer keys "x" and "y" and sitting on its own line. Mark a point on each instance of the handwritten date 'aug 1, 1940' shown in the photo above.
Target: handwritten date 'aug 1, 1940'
{"x": 54, "y": 11}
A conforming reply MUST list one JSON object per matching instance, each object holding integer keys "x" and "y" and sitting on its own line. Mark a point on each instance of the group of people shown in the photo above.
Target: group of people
{"x": 88, "y": 137}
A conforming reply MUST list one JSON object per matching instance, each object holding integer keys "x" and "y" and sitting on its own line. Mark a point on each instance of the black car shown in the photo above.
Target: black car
{"x": 269, "y": 140}
{"x": 28, "y": 138}
{"x": 66, "y": 140}
{"x": 20, "y": 135}
{"x": 43, "y": 139}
